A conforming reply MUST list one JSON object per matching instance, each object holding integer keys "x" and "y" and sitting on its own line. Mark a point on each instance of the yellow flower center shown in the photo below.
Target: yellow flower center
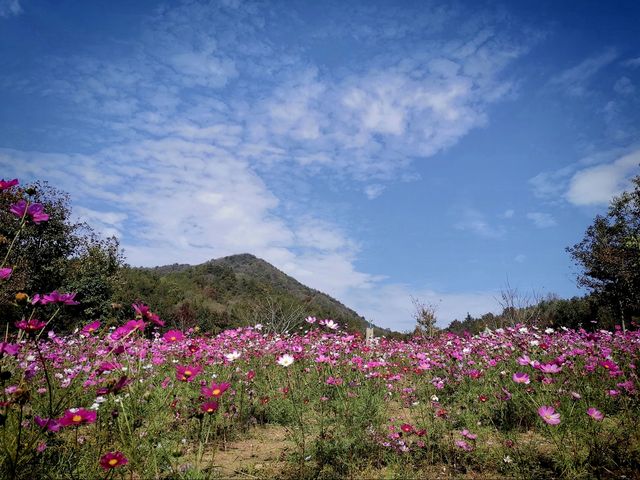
{"x": 173, "y": 339}
{"x": 76, "y": 418}
{"x": 216, "y": 392}
{"x": 113, "y": 462}
{"x": 187, "y": 373}
{"x": 209, "y": 410}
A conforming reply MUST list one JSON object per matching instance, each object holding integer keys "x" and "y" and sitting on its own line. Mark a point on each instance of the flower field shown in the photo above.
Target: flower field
{"x": 141, "y": 400}
{"x": 518, "y": 402}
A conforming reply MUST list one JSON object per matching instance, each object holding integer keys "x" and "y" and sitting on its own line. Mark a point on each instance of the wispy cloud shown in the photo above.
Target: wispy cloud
{"x": 476, "y": 222}
{"x": 599, "y": 184}
{"x": 10, "y": 8}
{"x": 542, "y": 220}
{"x": 575, "y": 80}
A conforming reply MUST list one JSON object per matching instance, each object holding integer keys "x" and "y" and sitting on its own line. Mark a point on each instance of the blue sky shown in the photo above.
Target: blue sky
{"x": 373, "y": 150}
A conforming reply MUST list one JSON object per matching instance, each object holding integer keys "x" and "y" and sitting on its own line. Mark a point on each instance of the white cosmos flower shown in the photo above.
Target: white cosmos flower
{"x": 285, "y": 360}
{"x": 232, "y": 356}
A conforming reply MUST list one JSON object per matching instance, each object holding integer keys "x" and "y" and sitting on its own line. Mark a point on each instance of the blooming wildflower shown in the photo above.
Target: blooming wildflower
{"x": 285, "y": 360}
{"x": 466, "y": 433}
{"x": 521, "y": 378}
{"x": 406, "y": 428}
{"x": 330, "y": 324}
{"x": 463, "y": 445}
{"x": 549, "y": 368}
{"x": 55, "y": 297}
{"x": 187, "y": 374}
{"x": 9, "y": 349}
{"x": 232, "y": 356}
{"x": 549, "y": 415}
{"x": 5, "y": 273}
{"x": 143, "y": 312}
{"x": 216, "y": 389}
{"x": 173, "y": 336}
{"x": 51, "y": 424}
{"x": 310, "y": 320}
{"x": 209, "y": 407}
{"x": 507, "y": 459}
{"x": 112, "y": 460}
{"x": 91, "y": 327}
{"x": 595, "y": 414}
{"x": 78, "y": 416}
{"x": 31, "y": 325}
{"x": 35, "y": 211}
{"x": 7, "y": 184}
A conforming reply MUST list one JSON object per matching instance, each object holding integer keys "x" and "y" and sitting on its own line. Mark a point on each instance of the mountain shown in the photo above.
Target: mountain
{"x": 231, "y": 291}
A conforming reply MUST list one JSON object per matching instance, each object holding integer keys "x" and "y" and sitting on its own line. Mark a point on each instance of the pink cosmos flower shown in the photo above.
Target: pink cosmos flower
{"x": 78, "y": 416}
{"x": 467, "y": 434}
{"x": 406, "y": 428}
{"x": 463, "y": 445}
{"x": 91, "y": 327}
{"x": 31, "y": 325}
{"x": 127, "y": 328}
{"x": 209, "y": 407}
{"x": 595, "y": 414}
{"x": 173, "y": 336}
{"x": 216, "y": 389}
{"x": 188, "y": 373}
{"x": 9, "y": 349}
{"x": 142, "y": 311}
{"x": 7, "y": 184}
{"x": 51, "y": 424}
{"x": 35, "y": 211}
{"x": 54, "y": 297}
{"x": 549, "y": 368}
{"x": 521, "y": 378}
{"x": 549, "y": 415}
{"x": 112, "y": 460}
{"x": 5, "y": 273}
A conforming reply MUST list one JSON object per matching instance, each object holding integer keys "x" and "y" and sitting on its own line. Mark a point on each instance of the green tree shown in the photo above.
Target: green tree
{"x": 609, "y": 255}
{"x": 58, "y": 254}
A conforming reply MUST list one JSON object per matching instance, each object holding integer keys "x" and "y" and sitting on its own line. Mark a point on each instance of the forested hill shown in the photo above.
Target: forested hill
{"x": 231, "y": 291}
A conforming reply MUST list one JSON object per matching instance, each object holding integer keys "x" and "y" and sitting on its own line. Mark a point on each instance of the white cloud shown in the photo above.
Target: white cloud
{"x": 632, "y": 62}
{"x": 10, "y": 8}
{"x": 508, "y": 213}
{"x": 624, "y": 86}
{"x": 542, "y": 220}
{"x": 374, "y": 190}
{"x": 597, "y": 185}
{"x": 474, "y": 221}
{"x": 575, "y": 79}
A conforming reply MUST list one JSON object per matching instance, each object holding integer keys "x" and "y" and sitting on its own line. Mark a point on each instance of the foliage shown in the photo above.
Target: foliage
{"x": 56, "y": 254}
{"x": 609, "y": 255}
{"x": 230, "y": 292}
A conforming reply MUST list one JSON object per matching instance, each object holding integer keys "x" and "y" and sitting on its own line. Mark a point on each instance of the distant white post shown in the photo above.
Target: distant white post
{"x": 369, "y": 335}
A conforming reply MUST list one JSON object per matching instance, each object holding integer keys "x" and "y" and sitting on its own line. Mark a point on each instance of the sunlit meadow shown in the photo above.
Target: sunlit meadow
{"x": 139, "y": 400}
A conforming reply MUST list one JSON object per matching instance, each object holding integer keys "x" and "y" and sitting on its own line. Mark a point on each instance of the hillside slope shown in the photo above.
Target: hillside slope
{"x": 231, "y": 291}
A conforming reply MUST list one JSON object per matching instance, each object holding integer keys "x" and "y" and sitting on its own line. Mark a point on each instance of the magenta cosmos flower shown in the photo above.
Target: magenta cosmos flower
{"x": 7, "y": 184}
{"x": 78, "y": 416}
{"x": 549, "y": 415}
{"x": 173, "y": 336}
{"x": 521, "y": 378}
{"x": 91, "y": 327}
{"x": 209, "y": 407}
{"x": 5, "y": 273}
{"x": 31, "y": 325}
{"x": 35, "y": 211}
{"x": 595, "y": 414}
{"x": 216, "y": 389}
{"x": 112, "y": 460}
{"x": 188, "y": 373}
